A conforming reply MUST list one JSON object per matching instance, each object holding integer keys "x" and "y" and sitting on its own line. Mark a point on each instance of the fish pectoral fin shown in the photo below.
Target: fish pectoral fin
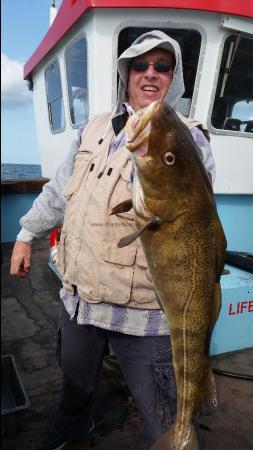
{"x": 124, "y": 206}
{"x": 127, "y": 240}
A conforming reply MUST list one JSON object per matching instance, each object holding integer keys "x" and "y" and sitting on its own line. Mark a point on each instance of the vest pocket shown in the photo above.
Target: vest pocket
{"x": 141, "y": 258}
{"x": 142, "y": 263}
{"x": 143, "y": 290}
{"x": 121, "y": 256}
{"x": 122, "y": 192}
{"x": 116, "y": 278}
{"x": 80, "y": 172}
{"x": 165, "y": 384}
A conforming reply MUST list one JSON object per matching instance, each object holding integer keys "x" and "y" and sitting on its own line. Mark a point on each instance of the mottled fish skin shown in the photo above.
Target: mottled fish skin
{"x": 185, "y": 255}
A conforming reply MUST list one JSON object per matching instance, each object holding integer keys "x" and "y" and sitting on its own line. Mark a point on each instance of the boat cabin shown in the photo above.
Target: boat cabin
{"x": 73, "y": 75}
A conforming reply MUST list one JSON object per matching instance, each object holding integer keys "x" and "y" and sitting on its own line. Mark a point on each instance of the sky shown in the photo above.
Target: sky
{"x": 23, "y": 25}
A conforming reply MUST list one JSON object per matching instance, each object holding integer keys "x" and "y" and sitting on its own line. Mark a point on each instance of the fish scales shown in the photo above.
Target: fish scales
{"x": 185, "y": 245}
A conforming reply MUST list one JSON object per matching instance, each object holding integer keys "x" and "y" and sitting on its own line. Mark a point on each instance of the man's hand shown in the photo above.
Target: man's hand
{"x": 21, "y": 259}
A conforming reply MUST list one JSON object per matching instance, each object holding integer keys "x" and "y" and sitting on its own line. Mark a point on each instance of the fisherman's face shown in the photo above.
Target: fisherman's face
{"x": 150, "y": 85}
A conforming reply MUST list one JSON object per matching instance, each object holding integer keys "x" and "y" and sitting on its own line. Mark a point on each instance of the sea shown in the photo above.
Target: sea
{"x": 18, "y": 171}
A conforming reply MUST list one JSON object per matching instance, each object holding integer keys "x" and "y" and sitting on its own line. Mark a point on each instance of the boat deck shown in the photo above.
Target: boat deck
{"x": 30, "y": 316}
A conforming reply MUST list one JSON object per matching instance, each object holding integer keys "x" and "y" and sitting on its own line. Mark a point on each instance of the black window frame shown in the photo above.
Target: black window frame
{"x": 219, "y": 102}
{"x": 50, "y": 102}
{"x": 69, "y": 46}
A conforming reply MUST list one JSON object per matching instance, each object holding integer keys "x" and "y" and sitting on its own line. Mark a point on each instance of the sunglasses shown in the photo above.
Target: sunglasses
{"x": 142, "y": 66}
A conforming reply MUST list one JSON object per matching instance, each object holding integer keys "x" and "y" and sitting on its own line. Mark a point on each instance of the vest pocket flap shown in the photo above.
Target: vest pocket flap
{"x": 122, "y": 256}
{"x": 81, "y": 170}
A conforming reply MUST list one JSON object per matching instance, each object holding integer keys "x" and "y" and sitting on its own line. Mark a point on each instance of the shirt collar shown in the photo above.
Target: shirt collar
{"x": 119, "y": 121}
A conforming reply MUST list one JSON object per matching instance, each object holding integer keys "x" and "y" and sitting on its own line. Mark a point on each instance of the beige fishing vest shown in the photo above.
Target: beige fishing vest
{"x": 88, "y": 255}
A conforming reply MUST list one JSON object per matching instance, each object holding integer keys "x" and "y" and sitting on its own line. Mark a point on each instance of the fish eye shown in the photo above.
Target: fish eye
{"x": 169, "y": 158}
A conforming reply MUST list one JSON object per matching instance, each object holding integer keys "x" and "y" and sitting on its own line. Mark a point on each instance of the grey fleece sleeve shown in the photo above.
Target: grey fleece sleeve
{"x": 47, "y": 211}
{"x": 205, "y": 151}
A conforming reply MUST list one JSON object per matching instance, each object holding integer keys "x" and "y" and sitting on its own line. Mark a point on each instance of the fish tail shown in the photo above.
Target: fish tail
{"x": 169, "y": 440}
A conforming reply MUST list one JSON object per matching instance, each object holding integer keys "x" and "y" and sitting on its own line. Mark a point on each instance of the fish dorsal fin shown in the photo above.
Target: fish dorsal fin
{"x": 127, "y": 240}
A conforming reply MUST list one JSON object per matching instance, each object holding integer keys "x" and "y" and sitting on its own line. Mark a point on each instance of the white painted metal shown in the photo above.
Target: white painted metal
{"x": 233, "y": 154}
{"x": 54, "y": 147}
{"x": 237, "y": 23}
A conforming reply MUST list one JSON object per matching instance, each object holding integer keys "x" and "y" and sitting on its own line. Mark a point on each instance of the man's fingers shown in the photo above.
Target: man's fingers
{"x": 21, "y": 259}
{"x": 27, "y": 264}
{"x": 17, "y": 265}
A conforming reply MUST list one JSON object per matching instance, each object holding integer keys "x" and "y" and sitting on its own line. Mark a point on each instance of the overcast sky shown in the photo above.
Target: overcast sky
{"x": 24, "y": 24}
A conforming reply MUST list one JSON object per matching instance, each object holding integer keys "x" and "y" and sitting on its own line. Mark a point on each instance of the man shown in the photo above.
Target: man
{"x": 107, "y": 296}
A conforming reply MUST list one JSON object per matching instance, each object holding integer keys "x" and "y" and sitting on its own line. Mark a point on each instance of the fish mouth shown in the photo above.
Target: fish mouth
{"x": 138, "y": 129}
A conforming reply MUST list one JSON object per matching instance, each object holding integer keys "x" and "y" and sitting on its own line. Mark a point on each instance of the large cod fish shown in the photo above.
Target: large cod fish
{"x": 184, "y": 244}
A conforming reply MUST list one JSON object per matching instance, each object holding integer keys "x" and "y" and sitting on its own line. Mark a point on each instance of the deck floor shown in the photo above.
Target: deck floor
{"x": 30, "y": 317}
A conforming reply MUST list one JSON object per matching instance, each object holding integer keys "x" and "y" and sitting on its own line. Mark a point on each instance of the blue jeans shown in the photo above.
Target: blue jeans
{"x": 145, "y": 362}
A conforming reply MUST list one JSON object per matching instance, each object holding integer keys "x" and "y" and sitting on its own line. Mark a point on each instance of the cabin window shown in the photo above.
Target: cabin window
{"x": 189, "y": 41}
{"x": 233, "y": 104}
{"x": 76, "y": 69}
{"x": 54, "y": 98}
